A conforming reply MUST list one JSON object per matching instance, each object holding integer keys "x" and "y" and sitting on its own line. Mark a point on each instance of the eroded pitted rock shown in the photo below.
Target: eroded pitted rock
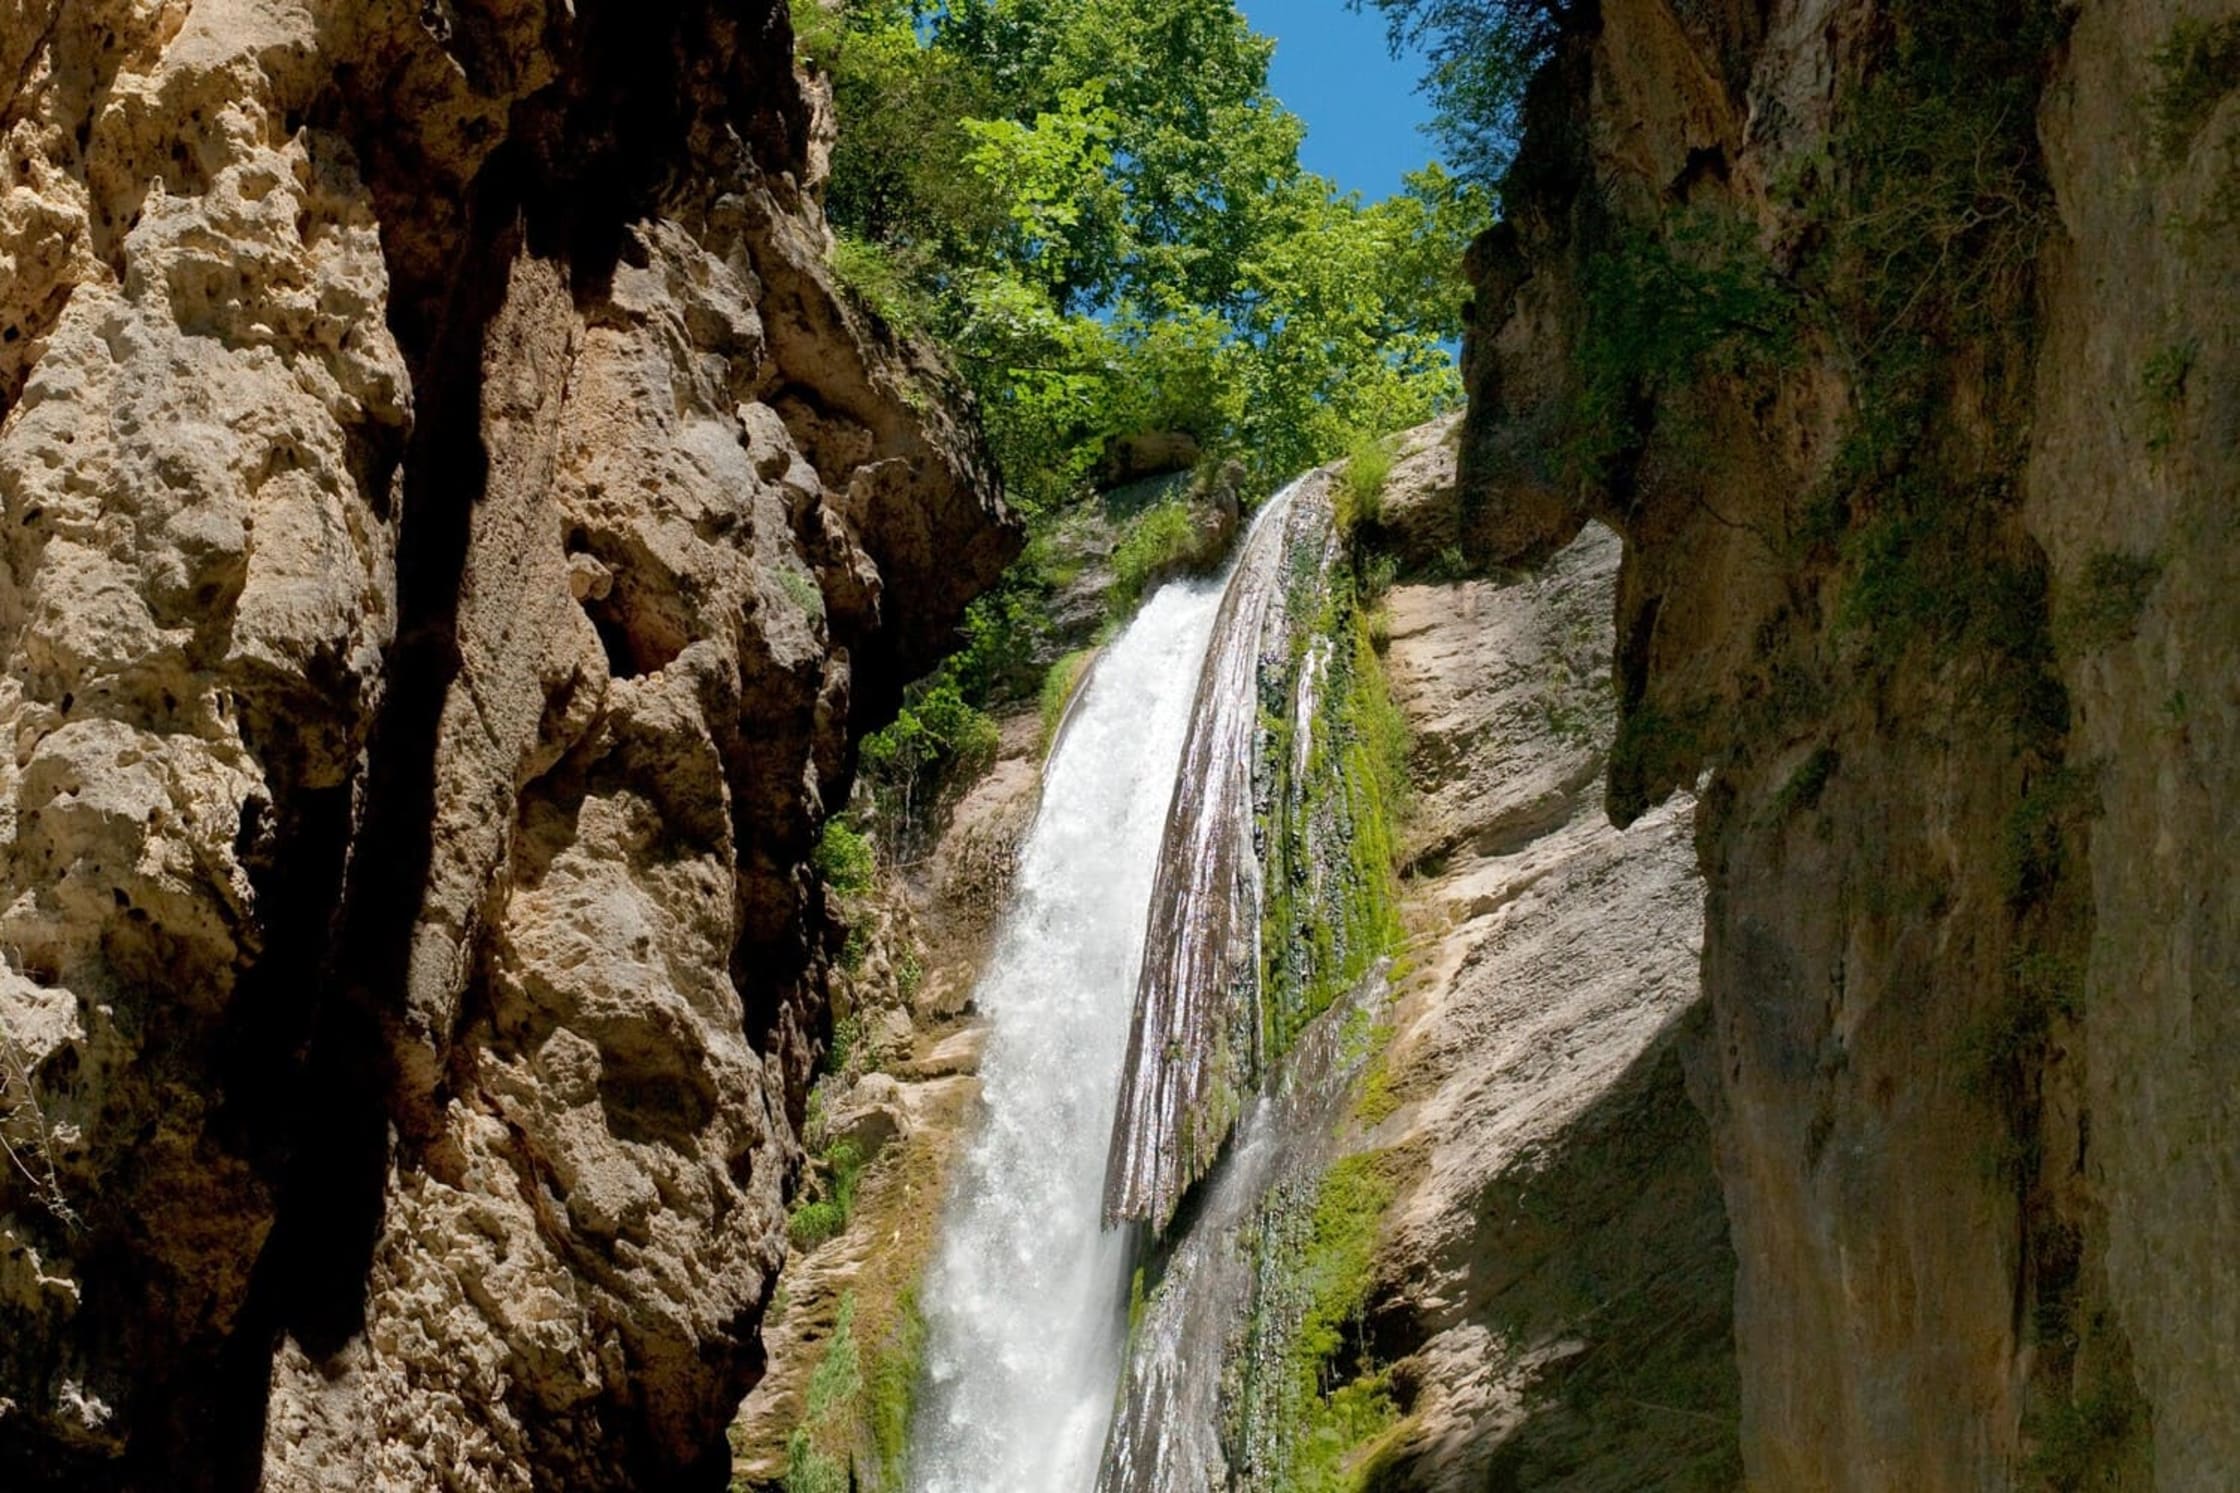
{"x": 454, "y": 534}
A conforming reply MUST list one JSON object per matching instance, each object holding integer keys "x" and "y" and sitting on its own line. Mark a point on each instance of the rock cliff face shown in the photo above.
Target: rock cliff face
{"x": 1898, "y": 342}
{"x": 1554, "y": 1278}
{"x": 453, "y": 535}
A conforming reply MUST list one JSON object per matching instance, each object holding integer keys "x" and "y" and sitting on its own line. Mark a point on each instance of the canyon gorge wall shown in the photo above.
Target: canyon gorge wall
{"x": 1898, "y": 343}
{"x": 452, "y": 535}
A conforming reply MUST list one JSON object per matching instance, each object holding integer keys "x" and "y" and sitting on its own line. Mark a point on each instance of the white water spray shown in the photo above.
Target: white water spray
{"x": 1027, "y": 1303}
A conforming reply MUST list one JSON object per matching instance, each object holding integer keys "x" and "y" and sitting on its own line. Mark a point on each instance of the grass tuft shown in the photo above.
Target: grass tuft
{"x": 812, "y": 1223}
{"x": 1361, "y": 483}
{"x": 1058, "y": 688}
{"x": 1163, "y": 541}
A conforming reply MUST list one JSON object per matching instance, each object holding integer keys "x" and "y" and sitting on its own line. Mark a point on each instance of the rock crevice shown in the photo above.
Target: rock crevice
{"x": 455, "y": 533}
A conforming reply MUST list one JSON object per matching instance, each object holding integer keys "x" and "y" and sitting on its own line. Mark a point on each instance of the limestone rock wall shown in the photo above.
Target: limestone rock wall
{"x": 1553, "y": 1281}
{"x": 1920, "y": 520}
{"x": 452, "y": 534}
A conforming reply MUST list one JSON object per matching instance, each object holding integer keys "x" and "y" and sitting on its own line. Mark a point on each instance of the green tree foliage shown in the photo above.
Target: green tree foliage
{"x": 1096, "y": 207}
{"x": 1479, "y": 55}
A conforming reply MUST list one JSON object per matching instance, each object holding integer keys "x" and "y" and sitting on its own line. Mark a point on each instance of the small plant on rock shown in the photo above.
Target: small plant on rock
{"x": 1368, "y": 466}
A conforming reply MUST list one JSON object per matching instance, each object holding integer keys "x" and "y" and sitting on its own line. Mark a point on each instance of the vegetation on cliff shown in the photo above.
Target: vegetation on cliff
{"x": 1796, "y": 341}
{"x": 1097, "y": 210}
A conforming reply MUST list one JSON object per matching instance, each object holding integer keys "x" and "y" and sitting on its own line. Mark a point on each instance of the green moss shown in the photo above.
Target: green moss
{"x": 2109, "y": 597}
{"x": 1802, "y": 791}
{"x": 2163, "y": 389}
{"x": 1374, "y": 1098}
{"x": 2195, "y": 67}
{"x": 1929, "y": 210}
{"x": 855, "y": 1423}
{"x": 1331, "y": 896}
{"x": 812, "y": 1465}
{"x": 2085, "y": 1441}
{"x": 892, "y": 1386}
{"x": 838, "y": 1376}
{"x": 1654, "y": 750}
{"x": 2039, "y": 827}
{"x": 1335, "y": 1401}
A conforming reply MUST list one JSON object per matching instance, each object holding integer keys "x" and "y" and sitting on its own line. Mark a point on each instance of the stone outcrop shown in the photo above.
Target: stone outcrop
{"x": 1467, "y": 1233}
{"x": 1553, "y": 1282}
{"x": 1206, "y": 1030}
{"x": 1898, "y": 343}
{"x": 453, "y": 535}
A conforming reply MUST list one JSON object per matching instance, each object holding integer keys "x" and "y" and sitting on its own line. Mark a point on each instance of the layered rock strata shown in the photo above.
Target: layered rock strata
{"x": 453, "y": 536}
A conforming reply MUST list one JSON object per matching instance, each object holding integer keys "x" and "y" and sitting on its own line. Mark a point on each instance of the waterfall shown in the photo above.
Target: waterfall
{"x": 1195, "y": 1050}
{"x": 1027, "y": 1302}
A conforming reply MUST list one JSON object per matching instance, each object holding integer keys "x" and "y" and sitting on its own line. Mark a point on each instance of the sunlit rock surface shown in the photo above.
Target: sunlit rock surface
{"x": 453, "y": 535}
{"x": 1544, "y": 1282}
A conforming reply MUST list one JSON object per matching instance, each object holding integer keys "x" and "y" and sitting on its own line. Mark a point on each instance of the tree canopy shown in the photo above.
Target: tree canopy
{"x": 1097, "y": 207}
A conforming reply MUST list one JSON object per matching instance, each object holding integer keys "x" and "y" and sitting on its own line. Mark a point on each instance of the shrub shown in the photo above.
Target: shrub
{"x": 1161, "y": 543}
{"x": 937, "y": 738}
{"x": 26, "y": 1139}
{"x": 844, "y": 859}
{"x": 855, "y": 948}
{"x": 1664, "y": 308}
{"x": 846, "y": 1033}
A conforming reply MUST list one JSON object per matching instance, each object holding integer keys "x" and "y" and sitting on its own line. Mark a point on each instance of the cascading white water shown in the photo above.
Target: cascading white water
{"x": 1026, "y": 1305}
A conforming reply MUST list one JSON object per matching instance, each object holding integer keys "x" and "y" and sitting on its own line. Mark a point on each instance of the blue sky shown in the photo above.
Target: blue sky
{"x": 1360, "y": 106}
